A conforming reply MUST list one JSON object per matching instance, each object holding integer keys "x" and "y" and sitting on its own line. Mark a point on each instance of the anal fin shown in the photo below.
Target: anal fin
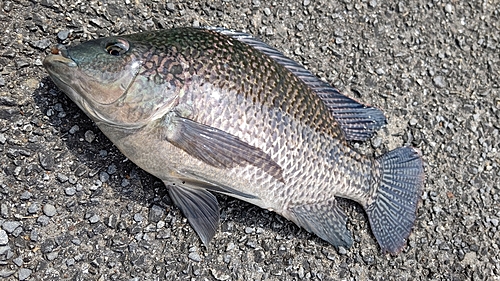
{"x": 324, "y": 219}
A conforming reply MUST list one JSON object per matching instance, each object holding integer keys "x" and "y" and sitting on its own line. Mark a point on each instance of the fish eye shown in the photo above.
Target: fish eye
{"x": 117, "y": 48}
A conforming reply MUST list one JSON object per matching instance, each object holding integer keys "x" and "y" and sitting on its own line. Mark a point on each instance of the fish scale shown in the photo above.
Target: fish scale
{"x": 214, "y": 110}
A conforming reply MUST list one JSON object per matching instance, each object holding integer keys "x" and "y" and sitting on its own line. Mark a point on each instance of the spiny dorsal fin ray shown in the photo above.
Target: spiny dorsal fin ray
{"x": 357, "y": 120}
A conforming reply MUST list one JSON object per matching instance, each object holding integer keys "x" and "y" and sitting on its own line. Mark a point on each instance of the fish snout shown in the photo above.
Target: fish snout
{"x": 59, "y": 55}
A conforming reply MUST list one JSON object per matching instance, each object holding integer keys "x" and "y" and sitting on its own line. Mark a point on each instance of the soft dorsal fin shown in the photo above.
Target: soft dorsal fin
{"x": 357, "y": 120}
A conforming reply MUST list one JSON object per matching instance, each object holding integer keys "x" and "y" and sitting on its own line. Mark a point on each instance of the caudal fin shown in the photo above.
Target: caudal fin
{"x": 393, "y": 212}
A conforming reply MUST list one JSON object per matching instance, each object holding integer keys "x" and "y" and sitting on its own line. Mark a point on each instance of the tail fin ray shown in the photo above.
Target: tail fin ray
{"x": 393, "y": 212}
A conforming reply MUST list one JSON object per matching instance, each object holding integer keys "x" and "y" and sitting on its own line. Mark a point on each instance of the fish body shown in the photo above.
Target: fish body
{"x": 212, "y": 110}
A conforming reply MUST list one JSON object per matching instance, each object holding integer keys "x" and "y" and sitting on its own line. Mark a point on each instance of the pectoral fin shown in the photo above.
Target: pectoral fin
{"x": 200, "y": 208}
{"x": 216, "y": 147}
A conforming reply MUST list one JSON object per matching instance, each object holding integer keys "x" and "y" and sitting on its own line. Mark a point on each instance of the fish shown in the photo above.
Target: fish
{"x": 212, "y": 110}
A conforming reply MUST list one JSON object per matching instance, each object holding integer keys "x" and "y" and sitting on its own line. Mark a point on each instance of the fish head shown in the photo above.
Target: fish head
{"x": 103, "y": 78}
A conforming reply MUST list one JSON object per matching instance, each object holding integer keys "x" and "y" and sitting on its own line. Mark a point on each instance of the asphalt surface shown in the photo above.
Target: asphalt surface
{"x": 73, "y": 208}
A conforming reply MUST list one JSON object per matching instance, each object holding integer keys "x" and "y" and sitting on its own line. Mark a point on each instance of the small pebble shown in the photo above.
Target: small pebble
{"x": 49, "y": 210}
{"x": 448, "y": 8}
{"x": 249, "y": 230}
{"x": 41, "y": 44}
{"x": 380, "y": 71}
{"x": 156, "y": 213}
{"x": 103, "y": 177}
{"x": 18, "y": 261}
{"x": 10, "y": 226}
{"x": 4, "y": 239}
{"x": 74, "y": 129}
{"x": 267, "y": 11}
{"x": 342, "y": 250}
{"x": 52, "y": 256}
{"x": 63, "y": 34}
{"x": 94, "y": 219}
{"x": 111, "y": 169}
{"x": 62, "y": 177}
{"x": 24, "y": 273}
{"x": 138, "y": 217}
{"x": 125, "y": 183}
{"x": 89, "y": 136}
{"x": 439, "y": 81}
{"x": 25, "y": 195}
{"x": 70, "y": 191}
{"x": 34, "y": 235}
{"x": 376, "y": 142}
{"x": 34, "y": 208}
{"x": 6, "y": 273}
{"x": 195, "y": 256}
{"x": 170, "y": 7}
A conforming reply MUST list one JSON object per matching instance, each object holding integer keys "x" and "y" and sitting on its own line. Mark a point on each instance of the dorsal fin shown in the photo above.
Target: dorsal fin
{"x": 357, "y": 120}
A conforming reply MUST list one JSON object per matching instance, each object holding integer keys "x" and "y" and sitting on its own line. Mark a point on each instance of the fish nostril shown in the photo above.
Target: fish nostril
{"x": 59, "y": 50}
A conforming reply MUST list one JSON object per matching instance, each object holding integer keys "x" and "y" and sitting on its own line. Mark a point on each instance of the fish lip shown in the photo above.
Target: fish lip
{"x": 54, "y": 59}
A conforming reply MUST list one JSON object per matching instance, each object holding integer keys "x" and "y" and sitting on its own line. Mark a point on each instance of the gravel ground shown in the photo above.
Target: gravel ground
{"x": 73, "y": 208}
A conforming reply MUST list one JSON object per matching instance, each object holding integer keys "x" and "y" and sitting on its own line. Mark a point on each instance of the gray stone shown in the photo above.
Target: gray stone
{"x": 4, "y": 210}
{"x": 34, "y": 208}
{"x": 41, "y": 44}
{"x": 63, "y": 34}
{"x": 49, "y": 210}
{"x": 10, "y": 226}
{"x": 4, "y": 273}
{"x": 156, "y": 213}
{"x": 448, "y": 8}
{"x": 439, "y": 81}
{"x": 103, "y": 177}
{"x": 62, "y": 177}
{"x": 70, "y": 191}
{"x": 52, "y": 256}
{"x": 26, "y": 195}
{"x": 194, "y": 256}
{"x": 18, "y": 261}
{"x": 138, "y": 217}
{"x": 94, "y": 219}
{"x": 43, "y": 220}
{"x": 4, "y": 239}
{"x": 24, "y": 273}
{"x": 111, "y": 169}
{"x": 46, "y": 160}
{"x": 89, "y": 136}
{"x": 34, "y": 235}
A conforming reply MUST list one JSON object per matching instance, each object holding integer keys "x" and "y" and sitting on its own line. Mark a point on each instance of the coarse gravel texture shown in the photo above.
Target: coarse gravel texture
{"x": 73, "y": 208}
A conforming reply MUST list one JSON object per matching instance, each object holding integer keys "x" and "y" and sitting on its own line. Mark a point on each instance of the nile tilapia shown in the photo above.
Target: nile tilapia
{"x": 213, "y": 110}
